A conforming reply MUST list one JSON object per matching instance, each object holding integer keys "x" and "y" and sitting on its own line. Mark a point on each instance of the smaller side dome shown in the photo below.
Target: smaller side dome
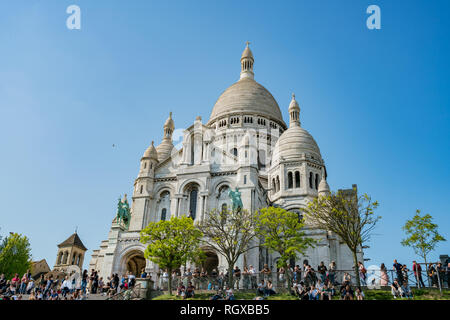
{"x": 295, "y": 141}
{"x": 151, "y": 152}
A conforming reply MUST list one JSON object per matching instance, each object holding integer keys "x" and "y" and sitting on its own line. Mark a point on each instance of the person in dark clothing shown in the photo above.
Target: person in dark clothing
{"x": 398, "y": 268}
{"x": 417, "y": 269}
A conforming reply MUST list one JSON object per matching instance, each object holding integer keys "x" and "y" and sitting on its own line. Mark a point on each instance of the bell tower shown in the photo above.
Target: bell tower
{"x": 70, "y": 253}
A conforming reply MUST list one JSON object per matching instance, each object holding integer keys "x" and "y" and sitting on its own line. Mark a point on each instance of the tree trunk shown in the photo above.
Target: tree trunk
{"x": 426, "y": 269}
{"x": 169, "y": 271}
{"x": 355, "y": 267}
{"x": 230, "y": 275}
{"x": 288, "y": 281}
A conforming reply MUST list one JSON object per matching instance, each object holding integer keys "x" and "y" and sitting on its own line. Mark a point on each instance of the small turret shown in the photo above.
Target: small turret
{"x": 149, "y": 161}
{"x": 324, "y": 188}
{"x": 247, "y": 62}
{"x": 294, "y": 113}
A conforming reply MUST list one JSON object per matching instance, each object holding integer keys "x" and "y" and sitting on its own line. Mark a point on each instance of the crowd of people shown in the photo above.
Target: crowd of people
{"x": 47, "y": 287}
{"x": 305, "y": 282}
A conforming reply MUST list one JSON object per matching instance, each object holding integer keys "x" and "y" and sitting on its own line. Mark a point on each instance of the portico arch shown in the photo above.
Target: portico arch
{"x": 212, "y": 260}
{"x": 131, "y": 259}
{"x": 133, "y": 262}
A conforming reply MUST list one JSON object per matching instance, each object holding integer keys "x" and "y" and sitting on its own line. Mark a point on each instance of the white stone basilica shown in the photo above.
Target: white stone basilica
{"x": 245, "y": 144}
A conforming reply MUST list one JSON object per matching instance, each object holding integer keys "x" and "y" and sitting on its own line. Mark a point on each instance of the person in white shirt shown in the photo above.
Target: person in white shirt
{"x": 252, "y": 273}
{"x": 30, "y": 286}
{"x": 66, "y": 286}
{"x": 131, "y": 280}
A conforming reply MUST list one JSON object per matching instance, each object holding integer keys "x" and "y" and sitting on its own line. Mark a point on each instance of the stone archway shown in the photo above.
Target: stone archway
{"x": 134, "y": 262}
{"x": 211, "y": 262}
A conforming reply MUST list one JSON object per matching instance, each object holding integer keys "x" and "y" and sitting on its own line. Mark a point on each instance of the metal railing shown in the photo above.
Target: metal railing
{"x": 127, "y": 294}
{"x": 373, "y": 279}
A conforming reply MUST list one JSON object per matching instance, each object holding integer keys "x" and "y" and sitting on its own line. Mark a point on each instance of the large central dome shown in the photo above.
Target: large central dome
{"x": 247, "y": 96}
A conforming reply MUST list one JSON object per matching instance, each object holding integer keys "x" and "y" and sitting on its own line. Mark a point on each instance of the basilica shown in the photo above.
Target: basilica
{"x": 245, "y": 144}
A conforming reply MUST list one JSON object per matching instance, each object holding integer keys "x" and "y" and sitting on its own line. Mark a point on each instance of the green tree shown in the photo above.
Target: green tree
{"x": 282, "y": 232}
{"x": 172, "y": 243}
{"x": 231, "y": 233}
{"x": 15, "y": 255}
{"x": 346, "y": 214}
{"x": 422, "y": 235}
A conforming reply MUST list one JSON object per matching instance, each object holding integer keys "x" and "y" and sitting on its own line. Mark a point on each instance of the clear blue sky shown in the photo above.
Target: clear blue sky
{"x": 377, "y": 102}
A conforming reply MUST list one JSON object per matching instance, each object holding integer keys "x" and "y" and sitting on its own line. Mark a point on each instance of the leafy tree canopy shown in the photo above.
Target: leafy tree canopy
{"x": 282, "y": 232}
{"x": 172, "y": 243}
{"x": 15, "y": 255}
{"x": 422, "y": 234}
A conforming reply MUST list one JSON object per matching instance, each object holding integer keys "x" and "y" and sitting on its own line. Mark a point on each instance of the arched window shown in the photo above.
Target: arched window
{"x": 193, "y": 202}
{"x": 274, "y": 186}
{"x": 317, "y": 181}
{"x": 278, "y": 183}
{"x": 73, "y": 258}
{"x": 297, "y": 179}
{"x": 60, "y": 257}
{"x": 145, "y": 165}
{"x": 142, "y": 189}
{"x": 234, "y": 151}
{"x": 290, "y": 181}
{"x": 164, "y": 205}
{"x": 311, "y": 180}
{"x": 65, "y": 257}
{"x": 78, "y": 260}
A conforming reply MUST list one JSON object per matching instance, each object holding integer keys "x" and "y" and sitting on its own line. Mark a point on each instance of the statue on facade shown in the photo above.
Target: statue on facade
{"x": 123, "y": 212}
{"x": 235, "y": 197}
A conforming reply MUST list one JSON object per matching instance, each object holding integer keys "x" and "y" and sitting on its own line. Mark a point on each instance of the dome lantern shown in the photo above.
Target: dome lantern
{"x": 247, "y": 61}
{"x": 169, "y": 126}
{"x": 294, "y": 113}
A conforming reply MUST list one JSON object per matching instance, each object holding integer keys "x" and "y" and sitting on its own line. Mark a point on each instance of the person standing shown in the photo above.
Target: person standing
{"x": 322, "y": 270}
{"x": 203, "y": 279}
{"x": 84, "y": 279}
{"x": 196, "y": 278}
{"x": 237, "y": 276}
{"x": 362, "y": 273}
{"x": 332, "y": 272}
{"x": 440, "y": 274}
{"x": 246, "y": 278}
{"x": 398, "y": 268}
{"x": 405, "y": 273}
{"x": 23, "y": 283}
{"x": 432, "y": 275}
{"x": 66, "y": 286}
{"x": 417, "y": 269}
{"x": 266, "y": 272}
{"x": 253, "y": 280}
{"x": 383, "y": 275}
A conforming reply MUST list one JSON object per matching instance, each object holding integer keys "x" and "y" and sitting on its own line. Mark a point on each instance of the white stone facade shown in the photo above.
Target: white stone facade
{"x": 245, "y": 144}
